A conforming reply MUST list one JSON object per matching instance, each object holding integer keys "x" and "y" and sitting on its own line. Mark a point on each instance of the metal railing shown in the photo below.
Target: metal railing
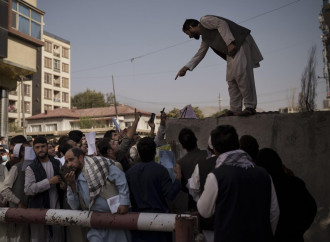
{"x": 184, "y": 225}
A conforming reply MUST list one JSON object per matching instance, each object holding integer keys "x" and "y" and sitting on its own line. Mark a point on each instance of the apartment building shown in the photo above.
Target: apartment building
{"x": 55, "y": 78}
{"x": 21, "y": 29}
{"x": 51, "y": 84}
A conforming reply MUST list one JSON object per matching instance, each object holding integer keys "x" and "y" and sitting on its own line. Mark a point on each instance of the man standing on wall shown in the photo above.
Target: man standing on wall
{"x": 234, "y": 44}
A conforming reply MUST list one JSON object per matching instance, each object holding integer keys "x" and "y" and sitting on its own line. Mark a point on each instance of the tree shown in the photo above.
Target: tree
{"x": 175, "y": 113}
{"x": 308, "y": 84}
{"x": 85, "y": 123}
{"x": 88, "y": 99}
{"x": 110, "y": 99}
{"x": 217, "y": 114}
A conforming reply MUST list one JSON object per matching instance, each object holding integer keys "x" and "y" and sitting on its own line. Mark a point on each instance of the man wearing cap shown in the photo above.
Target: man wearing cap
{"x": 12, "y": 189}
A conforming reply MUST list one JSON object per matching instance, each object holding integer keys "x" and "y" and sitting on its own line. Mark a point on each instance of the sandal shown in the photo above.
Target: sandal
{"x": 247, "y": 112}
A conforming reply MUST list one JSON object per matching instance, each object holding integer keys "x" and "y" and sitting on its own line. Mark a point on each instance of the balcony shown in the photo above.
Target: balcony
{"x": 57, "y": 99}
{"x": 57, "y": 83}
{"x": 12, "y": 109}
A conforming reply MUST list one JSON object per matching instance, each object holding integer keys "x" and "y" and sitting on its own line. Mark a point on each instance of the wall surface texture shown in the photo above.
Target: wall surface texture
{"x": 302, "y": 140}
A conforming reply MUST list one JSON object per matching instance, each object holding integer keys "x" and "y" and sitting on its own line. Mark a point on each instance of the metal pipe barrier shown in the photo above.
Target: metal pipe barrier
{"x": 184, "y": 225}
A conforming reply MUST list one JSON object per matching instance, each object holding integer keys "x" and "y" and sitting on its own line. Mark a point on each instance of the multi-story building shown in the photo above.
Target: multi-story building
{"x": 55, "y": 78}
{"x": 21, "y": 28}
{"x": 51, "y": 84}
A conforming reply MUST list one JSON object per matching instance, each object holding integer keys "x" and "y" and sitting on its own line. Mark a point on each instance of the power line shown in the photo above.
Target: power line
{"x": 131, "y": 59}
{"x": 270, "y": 11}
{"x": 168, "y": 47}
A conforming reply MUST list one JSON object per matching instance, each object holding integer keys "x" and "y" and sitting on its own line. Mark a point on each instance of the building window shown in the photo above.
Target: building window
{"x": 47, "y": 107}
{"x": 48, "y": 62}
{"x": 26, "y": 107}
{"x": 65, "y": 82}
{"x": 51, "y": 127}
{"x": 48, "y": 94}
{"x": 128, "y": 124}
{"x": 57, "y": 81}
{"x": 65, "y": 52}
{"x": 56, "y": 51}
{"x": 48, "y": 46}
{"x": 35, "y": 128}
{"x": 57, "y": 66}
{"x": 65, "y": 67}
{"x": 48, "y": 78}
{"x": 65, "y": 97}
{"x": 27, "y": 90}
{"x": 26, "y": 20}
{"x": 57, "y": 96}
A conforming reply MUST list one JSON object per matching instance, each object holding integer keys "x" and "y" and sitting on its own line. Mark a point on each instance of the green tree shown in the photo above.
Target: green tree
{"x": 198, "y": 112}
{"x": 175, "y": 113}
{"x": 88, "y": 99}
{"x": 85, "y": 123}
{"x": 110, "y": 99}
{"x": 217, "y": 114}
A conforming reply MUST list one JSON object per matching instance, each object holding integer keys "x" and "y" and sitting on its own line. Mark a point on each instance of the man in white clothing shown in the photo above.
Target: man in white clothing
{"x": 239, "y": 194}
{"x": 233, "y": 43}
{"x": 42, "y": 185}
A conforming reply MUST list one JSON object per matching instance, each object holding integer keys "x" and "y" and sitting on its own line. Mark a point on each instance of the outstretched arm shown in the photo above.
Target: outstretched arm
{"x": 195, "y": 60}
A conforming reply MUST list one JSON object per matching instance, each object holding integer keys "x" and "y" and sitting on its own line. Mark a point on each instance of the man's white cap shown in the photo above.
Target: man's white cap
{"x": 16, "y": 150}
{"x": 210, "y": 143}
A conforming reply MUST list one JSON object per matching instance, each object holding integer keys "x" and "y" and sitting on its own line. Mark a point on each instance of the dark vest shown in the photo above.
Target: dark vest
{"x": 41, "y": 200}
{"x": 216, "y": 42}
{"x": 188, "y": 163}
{"x": 242, "y": 211}
{"x": 18, "y": 186}
{"x": 205, "y": 167}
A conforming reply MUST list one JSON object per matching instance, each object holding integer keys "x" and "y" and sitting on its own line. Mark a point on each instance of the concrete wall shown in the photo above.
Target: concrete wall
{"x": 302, "y": 141}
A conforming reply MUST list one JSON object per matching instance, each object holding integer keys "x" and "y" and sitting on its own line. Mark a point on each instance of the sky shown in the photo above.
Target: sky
{"x": 140, "y": 44}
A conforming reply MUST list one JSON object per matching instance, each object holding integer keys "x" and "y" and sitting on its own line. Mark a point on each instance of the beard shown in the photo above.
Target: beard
{"x": 196, "y": 36}
{"x": 40, "y": 156}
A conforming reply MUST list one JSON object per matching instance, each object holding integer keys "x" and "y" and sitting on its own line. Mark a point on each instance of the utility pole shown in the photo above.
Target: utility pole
{"x": 4, "y": 113}
{"x": 114, "y": 95}
{"x": 23, "y": 105}
{"x": 219, "y": 100}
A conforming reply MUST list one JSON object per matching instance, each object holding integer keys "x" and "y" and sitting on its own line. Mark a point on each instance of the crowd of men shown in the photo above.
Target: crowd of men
{"x": 241, "y": 193}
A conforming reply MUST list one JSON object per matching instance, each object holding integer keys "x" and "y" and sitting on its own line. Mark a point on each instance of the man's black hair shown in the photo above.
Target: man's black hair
{"x": 147, "y": 149}
{"x": 250, "y": 145}
{"x": 64, "y": 147}
{"x": 270, "y": 160}
{"x": 17, "y": 139}
{"x": 77, "y": 152}
{"x": 188, "y": 23}
{"x": 40, "y": 140}
{"x": 76, "y": 135}
{"x": 109, "y": 133}
{"x": 103, "y": 146}
{"x": 224, "y": 138}
{"x": 187, "y": 139}
{"x": 63, "y": 139}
